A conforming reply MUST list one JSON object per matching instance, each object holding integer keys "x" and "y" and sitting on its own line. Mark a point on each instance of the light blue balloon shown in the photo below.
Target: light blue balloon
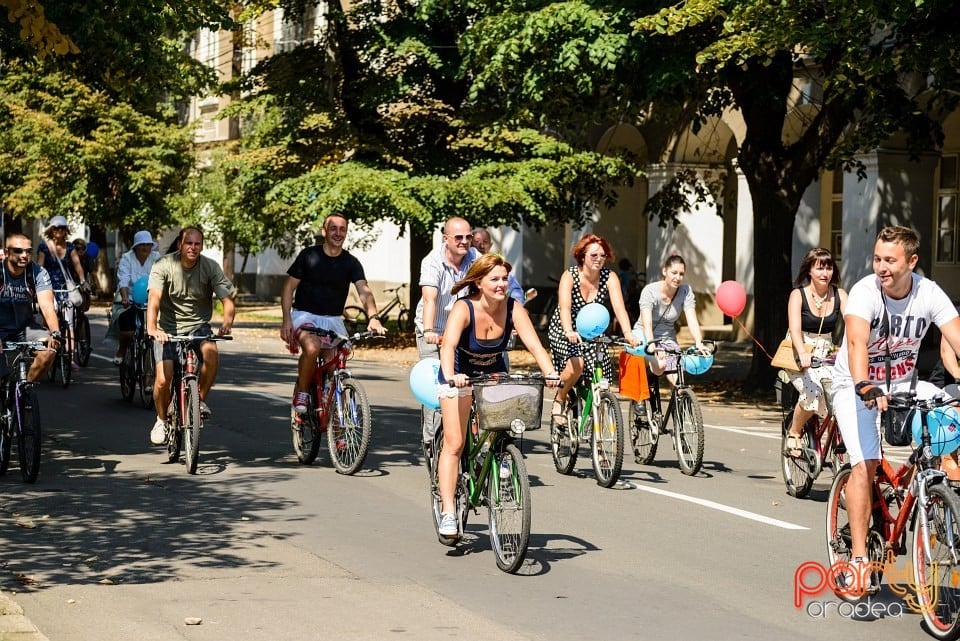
{"x": 943, "y": 424}
{"x": 592, "y": 320}
{"x": 138, "y": 293}
{"x": 697, "y": 363}
{"x": 639, "y": 350}
{"x": 423, "y": 382}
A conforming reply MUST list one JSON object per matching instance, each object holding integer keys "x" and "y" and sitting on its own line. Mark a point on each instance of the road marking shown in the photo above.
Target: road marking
{"x": 743, "y": 431}
{"x": 721, "y": 507}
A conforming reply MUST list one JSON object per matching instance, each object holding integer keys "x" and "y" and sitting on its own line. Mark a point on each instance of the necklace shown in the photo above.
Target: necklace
{"x": 819, "y": 301}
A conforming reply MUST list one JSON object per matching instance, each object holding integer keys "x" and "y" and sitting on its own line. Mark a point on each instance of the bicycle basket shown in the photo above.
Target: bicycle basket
{"x": 500, "y": 405}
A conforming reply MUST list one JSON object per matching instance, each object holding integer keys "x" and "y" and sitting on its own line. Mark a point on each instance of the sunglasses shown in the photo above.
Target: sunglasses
{"x": 461, "y": 238}
{"x": 17, "y": 251}
{"x": 596, "y": 256}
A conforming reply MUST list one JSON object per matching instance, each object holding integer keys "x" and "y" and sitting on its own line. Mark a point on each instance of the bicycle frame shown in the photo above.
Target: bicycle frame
{"x": 335, "y": 368}
{"x": 589, "y": 391}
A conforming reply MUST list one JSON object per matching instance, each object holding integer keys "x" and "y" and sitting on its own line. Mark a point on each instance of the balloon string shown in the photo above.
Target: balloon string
{"x": 747, "y": 332}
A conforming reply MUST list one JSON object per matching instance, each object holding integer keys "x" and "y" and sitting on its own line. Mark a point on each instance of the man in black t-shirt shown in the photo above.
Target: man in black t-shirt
{"x": 314, "y": 294}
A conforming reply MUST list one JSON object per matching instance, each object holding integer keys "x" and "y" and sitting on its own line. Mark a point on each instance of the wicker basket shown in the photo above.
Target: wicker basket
{"x": 501, "y": 403}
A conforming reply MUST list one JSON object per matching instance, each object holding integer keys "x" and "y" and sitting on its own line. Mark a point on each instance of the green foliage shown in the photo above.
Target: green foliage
{"x": 66, "y": 148}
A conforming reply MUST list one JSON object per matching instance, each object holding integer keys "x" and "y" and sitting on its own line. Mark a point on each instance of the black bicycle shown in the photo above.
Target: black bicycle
{"x": 63, "y": 362}
{"x": 20, "y": 416}
{"x": 82, "y": 347}
{"x": 183, "y": 413}
{"x": 138, "y": 367}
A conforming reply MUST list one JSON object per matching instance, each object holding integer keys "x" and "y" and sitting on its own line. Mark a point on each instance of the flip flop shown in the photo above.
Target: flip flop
{"x": 794, "y": 447}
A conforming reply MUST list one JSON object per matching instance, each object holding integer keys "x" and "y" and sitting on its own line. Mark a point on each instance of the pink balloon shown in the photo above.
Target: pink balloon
{"x": 731, "y": 297}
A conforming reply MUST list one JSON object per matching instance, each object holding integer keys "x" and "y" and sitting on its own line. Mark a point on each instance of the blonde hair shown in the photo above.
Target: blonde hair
{"x": 478, "y": 270}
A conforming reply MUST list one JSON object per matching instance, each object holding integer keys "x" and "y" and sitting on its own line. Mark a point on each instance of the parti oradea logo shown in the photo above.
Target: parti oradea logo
{"x": 813, "y": 580}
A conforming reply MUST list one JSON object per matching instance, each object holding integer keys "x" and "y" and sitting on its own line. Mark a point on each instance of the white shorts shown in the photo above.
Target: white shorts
{"x": 331, "y": 323}
{"x": 860, "y": 427}
{"x": 445, "y": 391}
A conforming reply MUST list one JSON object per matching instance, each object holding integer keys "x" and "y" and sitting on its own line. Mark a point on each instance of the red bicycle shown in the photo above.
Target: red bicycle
{"x": 338, "y": 407}
{"x": 822, "y": 446}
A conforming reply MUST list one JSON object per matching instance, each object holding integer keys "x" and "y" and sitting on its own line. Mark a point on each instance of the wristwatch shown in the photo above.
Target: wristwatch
{"x": 375, "y": 317}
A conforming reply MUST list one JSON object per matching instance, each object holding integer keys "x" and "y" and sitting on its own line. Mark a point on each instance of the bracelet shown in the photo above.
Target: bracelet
{"x": 375, "y": 317}
{"x": 428, "y": 331}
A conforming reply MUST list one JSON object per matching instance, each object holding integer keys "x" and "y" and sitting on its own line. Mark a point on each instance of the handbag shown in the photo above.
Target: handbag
{"x": 633, "y": 377}
{"x": 786, "y": 356}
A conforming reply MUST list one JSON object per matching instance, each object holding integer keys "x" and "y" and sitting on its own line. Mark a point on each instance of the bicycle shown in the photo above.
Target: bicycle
{"x": 20, "y": 412}
{"x": 492, "y": 471}
{"x": 916, "y": 496}
{"x": 138, "y": 367}
{"x": 355, "y": 317}
{"x": 62, "y": 363}
{"x": 823, "y": 446}
{"x": 683, "y": 414}
{"x": 183, "y": 413}
{"x": 334, "y": 395}
{"x": 591, "y": 412}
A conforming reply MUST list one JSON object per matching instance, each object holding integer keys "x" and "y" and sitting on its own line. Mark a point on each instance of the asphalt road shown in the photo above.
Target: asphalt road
{"x": 114, "y": 544}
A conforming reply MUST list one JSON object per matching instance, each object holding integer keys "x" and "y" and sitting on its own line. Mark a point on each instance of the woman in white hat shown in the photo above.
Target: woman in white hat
{"x": 61, "y": 260}
{"x": 134, "y": 265}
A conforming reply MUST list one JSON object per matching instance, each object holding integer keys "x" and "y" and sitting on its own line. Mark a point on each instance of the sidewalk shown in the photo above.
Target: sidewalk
{"x": 13, "y": 625}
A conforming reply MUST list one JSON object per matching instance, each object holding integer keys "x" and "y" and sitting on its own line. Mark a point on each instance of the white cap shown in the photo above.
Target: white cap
{"x": 56, "y": 221}
{"x": 143, "y": 237}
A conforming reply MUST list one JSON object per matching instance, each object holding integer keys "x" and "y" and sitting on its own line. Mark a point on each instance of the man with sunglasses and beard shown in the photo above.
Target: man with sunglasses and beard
{"x": 27, "y": 287}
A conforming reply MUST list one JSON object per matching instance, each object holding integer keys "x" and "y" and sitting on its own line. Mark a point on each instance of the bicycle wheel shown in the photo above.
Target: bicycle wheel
{"x": 688, "y": 432}
{"x": 348, "y": 436}
{"x": 935, "y": 571}
{"x": 174, "y": 441}
{"x": 355, "y": 318}
{"x": 83, "y": 346}
{"x": 607, "y": 441}
{"x": 148, "y": 372}
{"x": 27, "y": 416}
{"x": 797, "y": 473}
{"x": 508, "y": 505}
{"x": 643, "y": 439}
{"x": 65, "y": 357}
{"x": 191, "y": 425}
{"x": 128, "y": 378}
{"x": 839, "y": 545}
{"x": 305, "y": 431}
{"x": 562, "y": 446}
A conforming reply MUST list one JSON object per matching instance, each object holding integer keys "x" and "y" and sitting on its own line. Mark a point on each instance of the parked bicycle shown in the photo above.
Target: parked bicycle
{"x": 338, "y": 407}
{"x": 822, "y": 445}
{"x": 138, "y": 367}
{"x": 63, "y": 362}
{"x": 356, "y": 320}
{"x": 592, "y": 414}
{"x": 917, "y": 498}
{"x": 492, "y": 471}
{"x": 683, "y": 419}
{"x": 20, "y": 417}
{"x": 183, "y": 414}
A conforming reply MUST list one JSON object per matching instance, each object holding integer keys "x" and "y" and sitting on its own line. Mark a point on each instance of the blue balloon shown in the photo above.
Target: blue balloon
{"x": 592, "y": 320}
{"x": 695, "y": 363}
{"x": 423, "y": 382}
{"x": 93, "y": 249}
{"x": 138, "y": 293}
{"x": 944, "y": 426}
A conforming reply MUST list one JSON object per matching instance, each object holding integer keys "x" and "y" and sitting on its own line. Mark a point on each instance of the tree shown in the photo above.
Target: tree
{"x": 694, "y": 59}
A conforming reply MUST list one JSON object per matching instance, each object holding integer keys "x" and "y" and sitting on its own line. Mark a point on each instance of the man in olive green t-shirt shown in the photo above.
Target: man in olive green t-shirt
{"x": 180, "y": 301}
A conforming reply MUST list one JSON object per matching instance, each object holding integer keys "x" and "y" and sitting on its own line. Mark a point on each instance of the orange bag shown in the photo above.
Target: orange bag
{"x": 633, "y": 377}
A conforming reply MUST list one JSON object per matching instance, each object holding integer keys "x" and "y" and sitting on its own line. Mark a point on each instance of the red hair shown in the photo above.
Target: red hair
{"x": 580, "y": 249}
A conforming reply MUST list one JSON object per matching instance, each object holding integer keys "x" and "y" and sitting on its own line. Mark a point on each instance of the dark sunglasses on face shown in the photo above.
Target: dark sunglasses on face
{"x": 17, "y": 251}
{"x": 461, "y": 238}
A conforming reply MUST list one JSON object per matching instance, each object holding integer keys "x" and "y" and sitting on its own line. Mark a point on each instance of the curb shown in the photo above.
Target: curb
{"x": 14, "y": 626}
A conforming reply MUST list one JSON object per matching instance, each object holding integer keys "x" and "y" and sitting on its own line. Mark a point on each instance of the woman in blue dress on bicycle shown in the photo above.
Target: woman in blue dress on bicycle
{"x": 474, "y": 341}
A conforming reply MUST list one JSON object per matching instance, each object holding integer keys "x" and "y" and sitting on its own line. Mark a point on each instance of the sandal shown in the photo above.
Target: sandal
{"x": 794, "y": 447}
{"x": 559, "y": 412}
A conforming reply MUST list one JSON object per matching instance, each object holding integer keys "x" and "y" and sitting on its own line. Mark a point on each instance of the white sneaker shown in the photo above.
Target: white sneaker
{"x": 448, "y": 524}
{"x": 158, "y": 434}
{"x": 204, "y": 410}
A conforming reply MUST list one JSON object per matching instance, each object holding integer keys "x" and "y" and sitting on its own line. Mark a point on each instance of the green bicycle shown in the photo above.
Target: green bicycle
{"x": 592, "y": 414}
{"x": 492, "y": 470}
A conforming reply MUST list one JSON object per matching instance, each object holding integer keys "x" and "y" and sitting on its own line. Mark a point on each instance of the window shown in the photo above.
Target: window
{"x": 309, "y": 30}
{"x": 947, "y": 194}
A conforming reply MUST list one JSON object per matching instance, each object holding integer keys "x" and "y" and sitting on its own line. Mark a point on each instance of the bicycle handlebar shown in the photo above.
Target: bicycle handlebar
{"x": 14, "y": 346}
{"x": 503, "y": 377}
{"x": 657, "y": 345}
{"x": 192, "y": 337}
{"x": 909, "y": 400}
{"x": 328, "y": 333}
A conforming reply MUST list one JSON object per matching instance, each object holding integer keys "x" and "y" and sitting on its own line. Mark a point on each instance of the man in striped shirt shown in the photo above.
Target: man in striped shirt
{"x": 439, "y": 271}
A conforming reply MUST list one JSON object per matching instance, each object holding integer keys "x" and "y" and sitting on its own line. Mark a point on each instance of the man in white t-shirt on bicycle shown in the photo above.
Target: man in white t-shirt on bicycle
{"x": 886, "y": 317}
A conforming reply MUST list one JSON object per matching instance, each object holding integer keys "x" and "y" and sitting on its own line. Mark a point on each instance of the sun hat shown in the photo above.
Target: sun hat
{"x": 56, "y": 221}
{"x": 143, "y": 237}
